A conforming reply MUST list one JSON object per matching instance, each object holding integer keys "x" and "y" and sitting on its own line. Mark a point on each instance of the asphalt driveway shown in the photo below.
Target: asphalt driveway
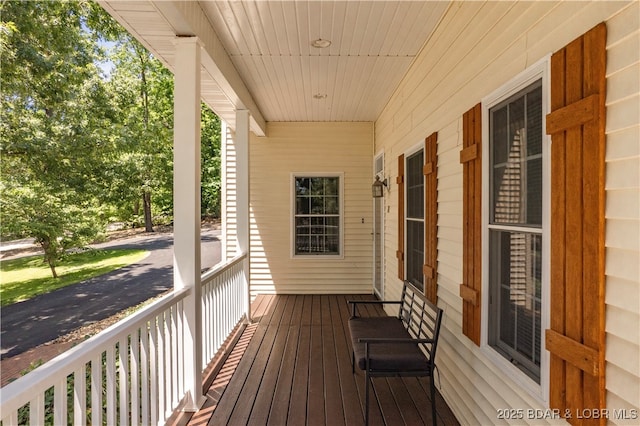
{"x": 41, "y": 319}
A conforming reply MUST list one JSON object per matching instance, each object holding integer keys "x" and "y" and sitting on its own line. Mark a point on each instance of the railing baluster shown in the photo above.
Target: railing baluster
{"x": 145, "y": 363}
{"x": 179, "y": 358}
{"x": 111, "y": 403}
{"x": 123, "y": 376}
{"x": 36, "y": 409}
{"x": 80, "y": 395}
{"x": 60, "y": 402}
{"x": 173, "y": 350}
{"x": 135, "y": 377}
{"x": 162, "y": 380}
{"x": 96, "y": 390}
{"x": 154, "y": 369}
{"x": 11, "y": 419}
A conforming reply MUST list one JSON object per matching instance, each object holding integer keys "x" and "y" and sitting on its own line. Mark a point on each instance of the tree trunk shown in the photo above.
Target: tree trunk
{"x": 52, "y": 266}
{"x": 148, "y": 222}
{"x": 49, "y": 257}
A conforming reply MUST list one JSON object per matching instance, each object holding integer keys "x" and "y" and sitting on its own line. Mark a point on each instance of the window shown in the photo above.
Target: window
{"x": 515, "y": 227}
{"x": 415, "y": 219}
{"x": 317, "y": 218}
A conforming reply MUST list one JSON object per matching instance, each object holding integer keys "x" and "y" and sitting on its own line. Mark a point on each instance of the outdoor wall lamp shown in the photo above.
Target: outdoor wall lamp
{"x": 377, "y": 187}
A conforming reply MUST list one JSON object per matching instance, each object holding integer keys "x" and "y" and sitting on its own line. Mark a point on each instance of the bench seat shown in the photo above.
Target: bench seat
{"x": 385, "y": 356}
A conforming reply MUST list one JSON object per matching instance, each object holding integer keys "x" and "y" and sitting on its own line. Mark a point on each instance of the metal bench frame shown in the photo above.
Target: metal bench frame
{"x": 421, "y": 321}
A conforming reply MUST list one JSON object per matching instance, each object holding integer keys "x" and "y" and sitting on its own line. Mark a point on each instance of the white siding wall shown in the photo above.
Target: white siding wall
{"x": 622, "y": 213}
{"x": 310, "y": 148}
{"x": 477, "y": 48}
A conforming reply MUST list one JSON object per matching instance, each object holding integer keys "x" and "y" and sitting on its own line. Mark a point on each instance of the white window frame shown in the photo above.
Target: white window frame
{"x": 341, "y": 198}
{"x": 539, "y": 70}
{"x": 413, "y": 150}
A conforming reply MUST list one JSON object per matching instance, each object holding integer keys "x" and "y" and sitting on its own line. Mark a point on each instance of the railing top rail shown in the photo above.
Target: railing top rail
{"x": 221, "y": 267}
{"x": 50, "y": 373}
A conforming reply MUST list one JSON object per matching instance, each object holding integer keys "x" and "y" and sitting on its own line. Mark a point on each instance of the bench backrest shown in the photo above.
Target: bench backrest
{"x": 421, "y": 318}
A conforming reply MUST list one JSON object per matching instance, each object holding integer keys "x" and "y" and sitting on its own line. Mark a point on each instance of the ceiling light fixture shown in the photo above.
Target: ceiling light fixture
{"x": 320, "y": 43}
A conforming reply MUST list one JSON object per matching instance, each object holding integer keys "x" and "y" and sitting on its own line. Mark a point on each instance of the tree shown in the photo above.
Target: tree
{"x": 78, "y": 146}
{"x": 210, "y": 163}
{"x": 143, "y": 90}
{"x": 57, "y": 224}
{"x": 53, "y": 124}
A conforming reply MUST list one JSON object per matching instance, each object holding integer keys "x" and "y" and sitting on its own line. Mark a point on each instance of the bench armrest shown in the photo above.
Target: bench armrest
{"x": 355, "y": 303}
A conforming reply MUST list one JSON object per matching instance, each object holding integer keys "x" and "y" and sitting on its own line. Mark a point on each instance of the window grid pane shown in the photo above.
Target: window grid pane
{"x": 317, "y": 216}
{"x": 516, "y": 162}
{"x": 415, "y": 253}
{"x": 515, "y": 272}
{"x": 415, "y": 186}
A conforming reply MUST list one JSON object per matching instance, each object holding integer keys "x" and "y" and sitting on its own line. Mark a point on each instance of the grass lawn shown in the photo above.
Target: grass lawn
{"x": 26, "y": 277}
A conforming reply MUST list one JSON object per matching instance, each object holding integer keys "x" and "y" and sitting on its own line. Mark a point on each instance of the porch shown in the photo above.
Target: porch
{"x": 292, "y": 365}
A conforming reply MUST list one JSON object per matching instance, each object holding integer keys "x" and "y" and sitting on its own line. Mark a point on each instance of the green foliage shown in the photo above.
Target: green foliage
{"x": 210, "y": 163}
{"x": 27, "y": 277}
{"x": 57, "y": 226}
{"x": 141, "y": 171}
{"x": 54, "y": 120}
{"x": 78, "y": 147}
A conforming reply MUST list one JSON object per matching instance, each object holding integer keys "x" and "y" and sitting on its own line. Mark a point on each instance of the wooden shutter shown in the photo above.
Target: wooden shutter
{"x": 576, "y": 124}
{"x": 471, "y": 159}
{"x": 400, "y": 251}
{"x": 430, "y": 217}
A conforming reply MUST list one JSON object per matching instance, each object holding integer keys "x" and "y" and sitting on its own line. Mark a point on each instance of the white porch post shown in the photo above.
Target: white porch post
{"x": 241, "y": 142}
{"x": 186, "y": 209}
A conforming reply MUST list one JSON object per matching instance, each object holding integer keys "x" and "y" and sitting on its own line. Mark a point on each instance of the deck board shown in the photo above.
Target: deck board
{"x": 292, "y": 366}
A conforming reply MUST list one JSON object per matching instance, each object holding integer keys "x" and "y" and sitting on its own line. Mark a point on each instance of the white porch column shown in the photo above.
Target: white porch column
{"x": 241, "y": 144}
{"x": 186, "y": 209}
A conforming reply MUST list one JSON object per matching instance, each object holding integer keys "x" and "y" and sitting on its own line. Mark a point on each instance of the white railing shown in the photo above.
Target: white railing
{"x": 133, "y": 372}
{"x": 223, "y": 304}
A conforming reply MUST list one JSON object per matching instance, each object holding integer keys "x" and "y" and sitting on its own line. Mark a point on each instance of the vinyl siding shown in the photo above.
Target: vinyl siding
{"x": 341, "y": 148}
{"x": 229, "y": 218}
{"x": 622, "y": 211}
{"x": 477, "y": 48}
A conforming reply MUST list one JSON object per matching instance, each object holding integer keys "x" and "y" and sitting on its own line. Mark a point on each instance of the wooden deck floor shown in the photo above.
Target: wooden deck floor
{"x": 292, "y": 366}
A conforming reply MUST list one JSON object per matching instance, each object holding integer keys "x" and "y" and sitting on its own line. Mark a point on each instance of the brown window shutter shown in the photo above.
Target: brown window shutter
{"x": 400, "y": 182}
{"x": 576, "y": 124}
{"x": 471, "y": 159}
{"x": 430, "y": 217}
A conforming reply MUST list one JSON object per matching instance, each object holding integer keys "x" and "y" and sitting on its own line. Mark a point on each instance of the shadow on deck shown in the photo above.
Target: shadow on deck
{"x": 292, "y": 366}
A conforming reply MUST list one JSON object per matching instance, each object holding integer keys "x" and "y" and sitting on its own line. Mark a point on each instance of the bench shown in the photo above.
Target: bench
{"x": 402, "y": 345}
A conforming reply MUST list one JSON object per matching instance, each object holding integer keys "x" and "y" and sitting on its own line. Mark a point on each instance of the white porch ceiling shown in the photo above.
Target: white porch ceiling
{"x": 257, "y": 55}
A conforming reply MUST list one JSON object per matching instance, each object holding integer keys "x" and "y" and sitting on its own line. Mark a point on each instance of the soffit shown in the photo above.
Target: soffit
{"x": 372, "y": 45}
{"x": 257, "y": 55}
